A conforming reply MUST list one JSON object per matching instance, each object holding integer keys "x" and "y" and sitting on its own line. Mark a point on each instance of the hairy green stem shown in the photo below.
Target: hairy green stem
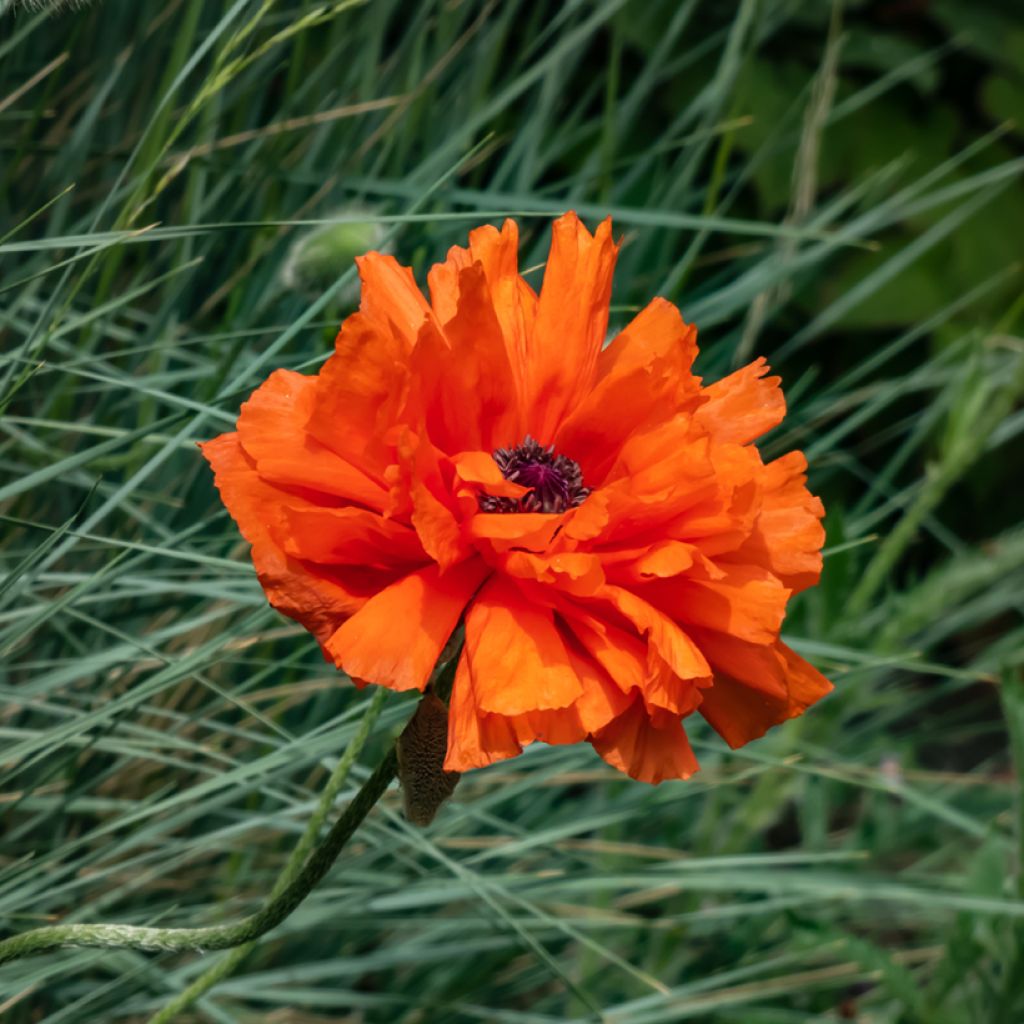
{"x": 276, "y": 909}
{"x": 227, "y": 966}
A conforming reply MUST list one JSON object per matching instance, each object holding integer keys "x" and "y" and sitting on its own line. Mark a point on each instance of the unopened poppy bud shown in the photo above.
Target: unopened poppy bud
{"x": 421, "y": 753}
{"x": 318, "y": 258}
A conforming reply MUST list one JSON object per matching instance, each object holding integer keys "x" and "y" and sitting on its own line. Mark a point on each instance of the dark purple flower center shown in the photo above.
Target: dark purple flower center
{"x": 555, "y": 481}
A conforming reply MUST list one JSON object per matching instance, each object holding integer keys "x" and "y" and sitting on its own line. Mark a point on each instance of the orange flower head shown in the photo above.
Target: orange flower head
{"x": 600, "y": 519}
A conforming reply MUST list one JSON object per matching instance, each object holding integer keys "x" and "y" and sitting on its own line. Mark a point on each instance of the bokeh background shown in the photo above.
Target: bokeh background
{"x": 836, "y": 186}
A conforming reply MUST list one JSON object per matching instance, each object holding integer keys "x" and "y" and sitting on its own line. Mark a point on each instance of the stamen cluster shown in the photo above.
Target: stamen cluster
{"x": 555, "y": 481}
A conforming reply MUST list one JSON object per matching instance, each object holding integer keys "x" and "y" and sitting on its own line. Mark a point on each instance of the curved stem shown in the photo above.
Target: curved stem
{"x": 226, "y": 967}
{"x": 200, "y": 940}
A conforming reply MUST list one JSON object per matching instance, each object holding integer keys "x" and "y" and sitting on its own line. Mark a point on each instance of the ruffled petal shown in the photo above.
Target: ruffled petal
{"x": 659, "y": 476}
{"x": 424, "y": 480}
{"x": 514, "y": 302}
{"x": 658, "y": 341}
{"x": 572, "y": 572}
{"x": 359, "y": 393}
{"x": 319, "y": 600}
{"x": 756, "y": 687}
{"x": 725, "y": 517}
{"x": 664, "y": 459}
{"x": 528, "y": 531}
{"x": 475, "y": 738}
{"x": 518, "y": 660}
{"x": 746, "y": 602}
{"x": 273, "y": 427}
{"x": 666, "y": 637}
{"x": 622, "y": 655}
{"x": 396, "y": 638}
{"x": 602, "y": 699}
{"x": 347, "y": 536}
{"x": 665, "y": 692}
{"x": 633, "y": 744}
{"x": 664, "y": 559}
{"x": 558, "y": 728}
{"x": 787, "y": 536}
{"x": 467, "y": 388}
{"x": 804, "y": 683}
{"x": 744, "y": 405}
{"x": 390, "y": 296}
{"x": 644, "y": 376}
{"x": 634, "y": 666}
{"x": 572, "y": 318}
{"x": 478, "y": 474}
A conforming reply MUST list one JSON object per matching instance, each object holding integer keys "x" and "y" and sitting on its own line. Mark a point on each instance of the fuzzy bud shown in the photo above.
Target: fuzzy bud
{"x": 421, "y": 752}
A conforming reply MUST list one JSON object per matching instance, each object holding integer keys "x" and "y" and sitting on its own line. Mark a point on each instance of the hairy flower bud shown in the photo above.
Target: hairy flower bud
{"x": 421, "y": 753}
{"x": 315, "y": 258}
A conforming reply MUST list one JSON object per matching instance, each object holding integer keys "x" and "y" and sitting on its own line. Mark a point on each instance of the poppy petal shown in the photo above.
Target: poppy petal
{"x": 475, "y": 739}
{"x": 627, "y": 660}
{"x": 360, "y": 391}
{"x": 572, "y": 317}
{"x": 756, "y": 687}
{"x": 558, "y": 728}
{"x": 470, "y": 398}
{"x": 518, "y": 660}
{"x": 425, "y": 478}
{"x": 513, "y": 300}
{"x": 744, "y": 405}
{"x": 787, "y": 536}
{"x": 642, "y": 374}
{"x": 396, "y": 638}
{"x": 481, "y": 472}
{"x": 602, "y": 698}
{"x": 319, "y": 601}
{"x": 645, "y": 751}
{"x": 347, "y": 536}
{"x": 746, "y": 602}
{"x": 273, "y": 429}
{"x": 529, "y": 531}
{"x": 664, "y": 635}
{"x": 390, "y": 296}
{"x": 574, "y": 572}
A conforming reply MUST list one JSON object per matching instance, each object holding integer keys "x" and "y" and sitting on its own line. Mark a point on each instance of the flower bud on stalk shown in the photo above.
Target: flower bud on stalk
{"x": 421, "y": 752}
{"x": 314, "y": 258}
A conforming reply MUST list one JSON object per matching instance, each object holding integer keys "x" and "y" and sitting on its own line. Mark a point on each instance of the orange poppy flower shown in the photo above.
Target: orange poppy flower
{"x": 620, "y": 553}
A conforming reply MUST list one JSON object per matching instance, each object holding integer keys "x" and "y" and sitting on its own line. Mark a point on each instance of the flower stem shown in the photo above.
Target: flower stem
{"x": 226, "y": 967}
{"x": 288, "y": 895}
